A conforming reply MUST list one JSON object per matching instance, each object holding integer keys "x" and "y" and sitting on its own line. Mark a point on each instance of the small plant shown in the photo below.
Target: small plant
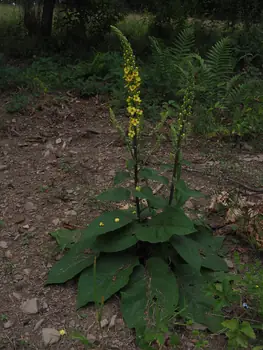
{"x": 4, "y": 317}
{"x": 151, "y": 252}
{"x": 238, "y": 333}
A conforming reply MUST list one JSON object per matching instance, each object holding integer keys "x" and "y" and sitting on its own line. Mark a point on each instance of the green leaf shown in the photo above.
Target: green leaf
{"x": 115, "y": 195}
{"x": 188, "y": 249}
{"x": 152, "y": 174}
{"x": 2, "y": 224}
{"x": 81, "y": 338}
{"x": 73, "y": 262}
{"x": 183, "y": 193}
{"x": 151, "y": 291}
{"x": 258, "y": 348}
{"x": 213, "y": 262}
{"x": 130, "y": 164}
{"x": 172, "y": 221}
{"x": 118, "y": 240}
{"x": 120, "y": 177}
{"x": 232, "y": 324}
{"x": 194, "y": 302}
{"x": 65, "y": 238}
{"x": 108, "y": 221}
{"x": 147, "y": 193}
{"x": 247, "y": 330}
{"x": 112, "y": 274}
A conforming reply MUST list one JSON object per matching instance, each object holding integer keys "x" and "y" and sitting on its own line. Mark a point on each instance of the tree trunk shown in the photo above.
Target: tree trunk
{"x": 47, "y": 17}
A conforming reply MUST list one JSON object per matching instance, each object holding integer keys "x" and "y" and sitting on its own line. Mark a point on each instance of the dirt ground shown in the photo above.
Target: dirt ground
{"x": 54, "y": 160}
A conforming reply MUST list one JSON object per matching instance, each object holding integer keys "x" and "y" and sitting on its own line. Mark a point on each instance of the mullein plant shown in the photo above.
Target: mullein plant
{"x": 152, "y": 253}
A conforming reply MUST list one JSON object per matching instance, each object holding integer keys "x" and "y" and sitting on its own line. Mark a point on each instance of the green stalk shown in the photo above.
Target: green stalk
{"x": 136, "y": 173}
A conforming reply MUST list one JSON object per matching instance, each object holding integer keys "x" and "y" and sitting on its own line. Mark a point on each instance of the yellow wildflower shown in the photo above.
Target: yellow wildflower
{"x": 138, "y": 188}
{"x": 117, "y": 220}
{"x": 257, "y": 286}
{"x": 131, "y": 110}
{"x": 134, "y": 212}
{"x": 101, "y": 224}
{"x": 62, "y": 332}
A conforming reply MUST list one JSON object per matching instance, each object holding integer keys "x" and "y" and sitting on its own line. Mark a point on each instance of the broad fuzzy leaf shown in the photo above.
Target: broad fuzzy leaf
{"x": 152, "y": 174}
{"x": 163, "y": 226}
{"x": 112, "y": 274}
{"x": 120, "y": 177}
{"x": 188, "y": 249}
{"x": 65, "y": 238}
{"x": 151, "y": 291}
{"x": 118, "y": 240}
{"x": 73, "y": 262}
{"x": 117, "y": 194}
{"x": 107, "y": 222}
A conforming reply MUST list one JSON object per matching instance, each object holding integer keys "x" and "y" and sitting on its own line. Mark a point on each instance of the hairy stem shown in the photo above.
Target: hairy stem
{"x": 136, "y": 173}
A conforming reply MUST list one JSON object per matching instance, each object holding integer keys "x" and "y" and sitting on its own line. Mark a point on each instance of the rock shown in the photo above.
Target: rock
{"x": 50, "y": 336}
{"x": 26, "y": 227}
{"x": 44, "y": 305}
{"x": 56, "y": 222}
{"x": 58, "y": 141}
{"x": 119, "y": 324}
{"x": 72, "y": 323}
{"x": 197, "y": 327}
{"x": 18, "y": 277}
{"x": 30, "y": 306}
{"x": 39, "y": 323}
{"x": 29, "y": 206}
{"x": 8, "y": 254}
{"x": 229, "y": 263}
{"x": 247, "y": 147}
{"x": 3, "y": 167}
{"x": 8, "y": 324}
{"x": 104, "y": 323}
{"x": 112, "y": 321}
{"x": 27, "y": 271}
{"x": 91, "y": 338}
{"x": 19, "y": 219}
{"x": 17, "y": 296}
{"x": 3, "y": 245}
{"x": 71, "y": 213}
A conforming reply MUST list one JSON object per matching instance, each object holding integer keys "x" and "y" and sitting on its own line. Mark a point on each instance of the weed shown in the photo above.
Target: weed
{"x": 4, "y": 317}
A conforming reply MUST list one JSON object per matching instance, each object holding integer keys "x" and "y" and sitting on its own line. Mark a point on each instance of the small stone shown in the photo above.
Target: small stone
{"x": 8, "y": 254}
{"x": 26, "y": 227}
{"x": 44, "y": 305}
{"x": 27, "y": 271}
{"x": 70, "y": 191}
{"x": 17, "y": 296}
{"x": 49, "y": 265}
{"x": 56, "y": 222}
{"x": 197, "y": 327}
{"x": 39, "y": 323}
{"x": 104, "y": 323}
{"x": 30, "y": 306}
{"x": 3, "y": 245}
{"x": 119, "y": 324}
{"x": 71, "y": 213}
{"x": 50, "y": 336}
{"x": 72, "y": 323}
{"x": 112, "y": 321}
{"x": 3, "y": 167}
{"x": 229, "y": 263}
{"x": 18, "y": 277}
{"x": 91, "y": 338}
{"x": 58, "y": 141}
{"x": 29, "y": 206}
{"x": 8, "y": 324}
{"x": 247, "y": 147}
{"x": 19, "y": 219}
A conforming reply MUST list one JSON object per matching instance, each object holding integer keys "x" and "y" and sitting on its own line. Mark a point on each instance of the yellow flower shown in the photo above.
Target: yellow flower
{"x": 134, "y": 212}
{"x": 138, "y": 188}
{"x": 62, "y": 332}
{"x": 132, "y": 87}
{"x": 117, "y": 220}
{"x": 101, "y": 224}
{"x": 139, "y": 111}
{"x": 131, "y": 110}
{"x": 137, "y": 99}
{"x": 257, "y": 286}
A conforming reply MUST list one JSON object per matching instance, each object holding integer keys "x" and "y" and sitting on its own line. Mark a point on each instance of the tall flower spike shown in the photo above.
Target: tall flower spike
{"x": 132, "y": 84}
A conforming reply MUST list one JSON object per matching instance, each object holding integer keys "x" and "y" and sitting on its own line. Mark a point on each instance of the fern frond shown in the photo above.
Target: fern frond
{"x": 183, "y": 46}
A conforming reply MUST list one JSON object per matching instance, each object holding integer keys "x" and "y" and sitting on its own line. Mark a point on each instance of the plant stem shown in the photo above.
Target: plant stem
{"x": 136, "y": 178}
{"x": 175, "y": 168}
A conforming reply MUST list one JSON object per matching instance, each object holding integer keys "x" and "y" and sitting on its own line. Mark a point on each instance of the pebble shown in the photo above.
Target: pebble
{"x": 58, "y": 141}
{"x": 71, "y": 213}
{"x": 104, "y": 323}
{"x": 112, "y": 321}
{"x": 91, "y": 338}
{"x": 72, "y": 323}
{"x": 29, "y": 206}
{"x": 56, "y": 222}
{"x": 50, "y": 336}
{"x": 8, "y": 254}
{"x": 44, "y": 305}
{"x": 229, "y": 263}
{"x": 17, "y": 296}
{"x": 27, "y": 271}
{"x": 3, "y": 245}
{"x": 8, "y": 324}
{"x": 39, "y": 323}
{"x": 26, "y": 227}
{"x": 30, "y": 306}
{"x": 19, "y": 219}
{"x": 3, "y": 167}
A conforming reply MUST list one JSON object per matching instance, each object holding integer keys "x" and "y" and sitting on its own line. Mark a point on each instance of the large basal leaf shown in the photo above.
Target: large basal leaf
{"x": 188, "y": 249}
{"x": 118, "y": 240}
{"x": 121, "y": 176}
{"x": 151, "y": 291}
{"x": 183, "y": 193}
{"x": 112, "y": 274}
{"x": 152, "y": 174}
{"x": 117, "y": 194}
{"x": 172, "y": 221}
{"x": 194, "y": 302}
{"x": 157, "y": 202}
{"x": 80, "y": 256}
{"x": 107, "y": 222}
{"x": 65, "y": 238}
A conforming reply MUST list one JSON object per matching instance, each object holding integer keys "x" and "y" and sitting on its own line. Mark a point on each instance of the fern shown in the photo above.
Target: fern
{"x": 183, "y": 46}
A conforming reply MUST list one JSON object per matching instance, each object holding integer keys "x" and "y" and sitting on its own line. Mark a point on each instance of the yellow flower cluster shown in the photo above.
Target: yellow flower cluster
{"x": 132, "y": 84}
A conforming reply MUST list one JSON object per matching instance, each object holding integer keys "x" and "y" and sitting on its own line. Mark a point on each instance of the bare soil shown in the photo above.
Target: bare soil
{"x": 54, "y": 160}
